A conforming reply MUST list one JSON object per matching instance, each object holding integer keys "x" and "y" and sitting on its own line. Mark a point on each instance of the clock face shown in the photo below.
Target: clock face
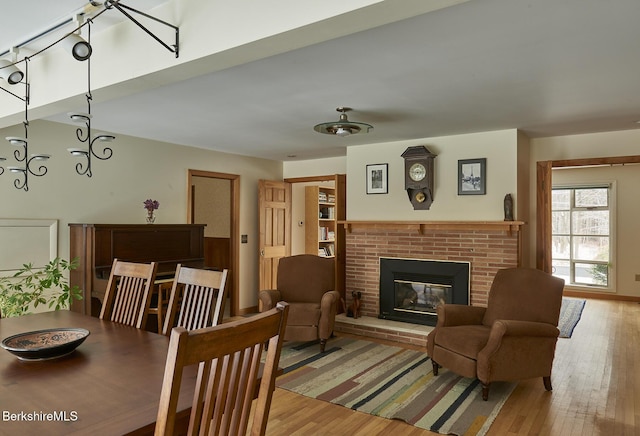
{"x": 417, "y": 172}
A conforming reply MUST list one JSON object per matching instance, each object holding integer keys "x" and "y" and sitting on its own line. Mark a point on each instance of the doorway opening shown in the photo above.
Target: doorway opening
{"x": 213, "y": 199}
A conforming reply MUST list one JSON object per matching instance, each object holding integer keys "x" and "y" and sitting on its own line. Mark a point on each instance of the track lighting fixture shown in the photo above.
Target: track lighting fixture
{"x": 343, "y": 127}
{"x": 8, "y": 69}
{"x": 79, "y": 48}
{"x": 75, "y": 44}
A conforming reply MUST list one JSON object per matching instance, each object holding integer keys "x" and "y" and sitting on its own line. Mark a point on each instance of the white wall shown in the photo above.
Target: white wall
{"x": 139, "y": 169}
{"x": 608, "y": 144}
{"x": 499, "y": 147}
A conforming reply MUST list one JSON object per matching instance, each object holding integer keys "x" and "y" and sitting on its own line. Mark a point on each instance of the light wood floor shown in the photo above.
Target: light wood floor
{"x": 596, "y": 390}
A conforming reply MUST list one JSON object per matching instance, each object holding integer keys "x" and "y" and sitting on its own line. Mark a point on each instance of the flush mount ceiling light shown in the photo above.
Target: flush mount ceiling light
{"x": 342, "y": 127}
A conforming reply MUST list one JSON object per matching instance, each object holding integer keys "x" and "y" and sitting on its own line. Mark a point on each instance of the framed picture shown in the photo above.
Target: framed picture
{"x": 472, "y": 177}
{"x": 377, "y": 179}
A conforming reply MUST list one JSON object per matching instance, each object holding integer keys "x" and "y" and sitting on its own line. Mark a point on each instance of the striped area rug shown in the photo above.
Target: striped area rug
{"x": 570, "y": 314}
{"x": 390, "y": 382}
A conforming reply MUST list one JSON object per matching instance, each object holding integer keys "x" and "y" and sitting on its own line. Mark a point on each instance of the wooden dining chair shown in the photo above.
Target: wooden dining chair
{"x": 128, "y": 293}
{"x": 196, "y": 300}
{"x": 229, "y": 372}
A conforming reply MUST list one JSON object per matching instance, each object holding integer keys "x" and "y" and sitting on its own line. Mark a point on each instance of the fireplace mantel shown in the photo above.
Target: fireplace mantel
{"x": 421, "y": 226}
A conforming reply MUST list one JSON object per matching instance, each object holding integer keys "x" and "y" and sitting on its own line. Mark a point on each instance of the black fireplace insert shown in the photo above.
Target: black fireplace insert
{"x": 411, "y": 289}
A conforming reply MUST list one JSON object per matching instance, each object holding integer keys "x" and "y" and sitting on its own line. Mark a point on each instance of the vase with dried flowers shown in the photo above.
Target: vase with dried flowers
{"x": 151, "y": 206}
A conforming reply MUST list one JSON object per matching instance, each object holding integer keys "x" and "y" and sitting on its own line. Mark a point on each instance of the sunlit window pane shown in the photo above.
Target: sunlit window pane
{"x": 561, "y": 246}
{"x": 591, "y": 222}
{"x": 560, "y": 268}
{"x": 592, "y": 274}
{"x": 591, "y": 248}
{"x": 592, "y": 197}
{"x": 560, "y": 222}
{"x": 561, "y": 199}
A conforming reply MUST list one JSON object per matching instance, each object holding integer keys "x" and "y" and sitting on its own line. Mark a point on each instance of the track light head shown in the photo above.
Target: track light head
{"x": 77, "y": 46}
{"x": 9, "y": 72}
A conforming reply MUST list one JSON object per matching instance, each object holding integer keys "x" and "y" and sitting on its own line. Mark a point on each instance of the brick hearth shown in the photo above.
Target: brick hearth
{"x": 488, "y": 246}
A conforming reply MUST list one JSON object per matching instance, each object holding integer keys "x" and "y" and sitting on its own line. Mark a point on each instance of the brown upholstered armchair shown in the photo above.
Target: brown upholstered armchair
{"x": 307, "y": 283}
{"x": 513, "y": 338}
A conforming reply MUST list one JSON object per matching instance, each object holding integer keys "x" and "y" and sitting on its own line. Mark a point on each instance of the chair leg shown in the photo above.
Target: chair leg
{"x": 547, "y": 383}
{"x": 485, "y": 391}
{"x": 435, "y": 367}
{"x": 323, "y": 343}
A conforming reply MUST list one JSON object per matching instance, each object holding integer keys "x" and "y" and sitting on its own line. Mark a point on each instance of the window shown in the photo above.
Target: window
{"x": 581, "y": 235}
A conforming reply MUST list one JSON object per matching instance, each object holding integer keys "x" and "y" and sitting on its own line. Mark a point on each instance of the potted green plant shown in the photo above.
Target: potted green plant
{"x": 28, "y": 288}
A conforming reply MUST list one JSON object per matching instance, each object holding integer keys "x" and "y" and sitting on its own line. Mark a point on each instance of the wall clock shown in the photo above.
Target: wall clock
{"x": 418, "y": 176}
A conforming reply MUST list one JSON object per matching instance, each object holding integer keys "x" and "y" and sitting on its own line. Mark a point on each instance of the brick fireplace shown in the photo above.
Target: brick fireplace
{"x": 487, "y": 245}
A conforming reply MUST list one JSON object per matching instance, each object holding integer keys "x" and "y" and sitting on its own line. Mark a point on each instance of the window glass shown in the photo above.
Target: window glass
{"x": 581, "y": 229}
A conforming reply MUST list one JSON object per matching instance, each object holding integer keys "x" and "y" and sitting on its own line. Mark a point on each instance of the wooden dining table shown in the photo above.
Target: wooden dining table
{"x": 110, "y": 385}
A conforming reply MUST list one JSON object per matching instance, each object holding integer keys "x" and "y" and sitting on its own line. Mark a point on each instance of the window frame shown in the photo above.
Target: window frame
{"x": 611, "y": 186}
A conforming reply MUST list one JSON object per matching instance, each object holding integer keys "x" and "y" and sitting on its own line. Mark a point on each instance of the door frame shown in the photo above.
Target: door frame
{"x": 544, "y": 170}
{"x": 234, "y": 230}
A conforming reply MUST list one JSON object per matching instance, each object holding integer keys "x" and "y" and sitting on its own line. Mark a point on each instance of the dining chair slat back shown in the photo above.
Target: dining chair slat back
{"x": 229, "y": 357}
{"x": 128, "y": 293}
{"x": 197, "y": 299}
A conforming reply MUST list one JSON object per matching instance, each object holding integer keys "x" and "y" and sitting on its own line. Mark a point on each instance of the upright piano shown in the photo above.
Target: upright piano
{"x": 96, "y": 245}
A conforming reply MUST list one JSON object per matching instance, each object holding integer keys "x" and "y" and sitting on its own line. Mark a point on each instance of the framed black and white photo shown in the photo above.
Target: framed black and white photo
{"x": 377, "y": 179}
{"x": 472, "y": 176}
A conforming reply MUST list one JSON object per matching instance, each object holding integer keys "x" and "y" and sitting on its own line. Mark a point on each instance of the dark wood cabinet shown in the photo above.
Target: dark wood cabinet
{"x": 96, "y": 245}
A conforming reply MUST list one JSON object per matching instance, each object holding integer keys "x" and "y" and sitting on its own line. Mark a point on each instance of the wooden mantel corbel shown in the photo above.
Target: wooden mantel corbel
{"x": 422, "y": 226}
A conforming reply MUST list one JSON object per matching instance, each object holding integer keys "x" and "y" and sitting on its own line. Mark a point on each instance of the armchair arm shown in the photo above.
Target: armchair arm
{"x": 517, "y": 349}
{"x": 503, "y": 328}
{"x": 328, "y": 309}
{"x": 459, "y": 314}
{"x": 269, "y": 298}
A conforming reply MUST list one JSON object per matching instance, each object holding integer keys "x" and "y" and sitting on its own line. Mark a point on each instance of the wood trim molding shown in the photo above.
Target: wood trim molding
{"x": 618, "y": 160}
{"x": 325, "y": 178}
{"x": 421, "y": 226}
{"x": 543, "y": 216}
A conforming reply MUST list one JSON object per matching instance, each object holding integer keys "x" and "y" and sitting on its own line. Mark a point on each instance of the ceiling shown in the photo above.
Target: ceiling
{"x": 545, "y": 67}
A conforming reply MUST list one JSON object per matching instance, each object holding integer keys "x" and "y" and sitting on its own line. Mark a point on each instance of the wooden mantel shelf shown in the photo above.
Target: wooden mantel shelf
{"x": 422, "y": 226}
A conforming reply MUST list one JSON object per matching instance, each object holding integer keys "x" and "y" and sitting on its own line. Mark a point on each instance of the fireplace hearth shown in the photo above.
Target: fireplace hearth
{"x": 411, "y": 289}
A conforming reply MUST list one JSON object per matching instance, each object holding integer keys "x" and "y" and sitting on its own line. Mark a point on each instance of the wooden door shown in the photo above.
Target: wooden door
{"x": 274, "y": 199}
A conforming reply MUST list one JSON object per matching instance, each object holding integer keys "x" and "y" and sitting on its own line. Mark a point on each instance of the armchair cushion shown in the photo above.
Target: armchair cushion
{"x": 304, "y": 314}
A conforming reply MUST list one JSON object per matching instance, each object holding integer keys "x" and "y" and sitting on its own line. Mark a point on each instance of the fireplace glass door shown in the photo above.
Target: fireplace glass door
{"x": 418, "y": 297}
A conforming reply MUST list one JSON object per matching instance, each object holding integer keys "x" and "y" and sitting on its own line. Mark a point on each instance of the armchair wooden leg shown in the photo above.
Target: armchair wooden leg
{"x": 323, "y": 343}
{"x": 547, "y": 383}
{"x": 435, "y": 367}
{"x": 485, "y": 391}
